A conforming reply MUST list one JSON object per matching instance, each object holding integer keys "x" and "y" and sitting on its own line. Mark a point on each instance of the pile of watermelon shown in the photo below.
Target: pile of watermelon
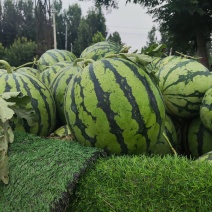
{"x": 119, "y": 101}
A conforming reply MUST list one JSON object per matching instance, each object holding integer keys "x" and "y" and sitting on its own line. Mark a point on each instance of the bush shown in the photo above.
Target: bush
{"x": 145, "y": 184}
{"x": 20, "y": 52}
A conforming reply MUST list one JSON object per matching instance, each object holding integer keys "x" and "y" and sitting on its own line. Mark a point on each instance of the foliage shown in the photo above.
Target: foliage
{"x": 20, "y": 52}
{"x": 11, "y": 103}
{"x": 115, "y": 37}
{"x": 155, "y": 50}
{"x": 89, "y": 25}
{"x": 186, "y": 21}
{"x": 17, "y": 19}
{"x": 2, "y": 51}
{"x": 97, "y": 37}
{"x": 44, "y": 173}
{"x": 73, "y": 18}
{"x": 140, "y": 183}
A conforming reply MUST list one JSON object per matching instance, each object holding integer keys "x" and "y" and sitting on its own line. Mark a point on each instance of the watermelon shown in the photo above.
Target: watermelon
{"x": 48, "y": 75}
{"x": 58, "y": 87}
{"x": 206, "y": 157}
{"x": 100, "y": 49}
{"x": 29, "y": 70}
{"x": 181, "y": 83}
{"x": 42, "y": 101}
{"x": 197, "y": 140}
{"x": 162, "y": 147}
{"x": 206, "y": 109}
{"x": 53, "y": 56}
{"x": 114, "y": 105}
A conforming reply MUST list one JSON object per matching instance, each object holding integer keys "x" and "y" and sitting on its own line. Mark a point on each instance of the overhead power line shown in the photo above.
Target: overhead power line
{"x": 129, "y": 27}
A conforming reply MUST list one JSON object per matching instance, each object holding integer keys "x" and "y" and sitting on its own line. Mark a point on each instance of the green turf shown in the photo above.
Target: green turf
{"x": 41, "y": 170}
{"x": 139, "y": 183}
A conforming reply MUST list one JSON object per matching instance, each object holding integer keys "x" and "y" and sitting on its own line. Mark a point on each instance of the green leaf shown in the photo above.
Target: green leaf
{"x": 13, "y": 105}
{"x": 5, "y": 112}
{"x": 18, "y": 104}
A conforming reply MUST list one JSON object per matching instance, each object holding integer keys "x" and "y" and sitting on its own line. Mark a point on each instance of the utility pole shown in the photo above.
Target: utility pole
{"x": 66, "y": 36}
{"x": 54, "y": 29}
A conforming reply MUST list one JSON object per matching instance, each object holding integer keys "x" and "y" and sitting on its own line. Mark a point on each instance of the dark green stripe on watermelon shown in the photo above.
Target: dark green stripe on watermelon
{"x": 113, "y": 104}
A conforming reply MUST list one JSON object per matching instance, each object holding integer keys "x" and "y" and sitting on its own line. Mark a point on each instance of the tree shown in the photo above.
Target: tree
{"x": 187, "y": 21}
{"x": 115, "y": 37}
{"x": 152, "y": 38}
{"x": 73, "y": 18}
{"x": 91, "y": 24}
{"x": 10, "y": 23}
{"x": 20, "y": 52}
{"x": 98, "y": 37}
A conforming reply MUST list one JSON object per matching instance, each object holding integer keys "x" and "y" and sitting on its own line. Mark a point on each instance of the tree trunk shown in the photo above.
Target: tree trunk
{"x": 201, "y": 46}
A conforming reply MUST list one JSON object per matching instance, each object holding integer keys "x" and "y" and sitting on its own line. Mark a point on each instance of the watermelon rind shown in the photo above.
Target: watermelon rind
{"x": 114, "y": 105}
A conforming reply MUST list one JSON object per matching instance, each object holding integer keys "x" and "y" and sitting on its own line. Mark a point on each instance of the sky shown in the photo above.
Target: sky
{"x": 130, "y": 21}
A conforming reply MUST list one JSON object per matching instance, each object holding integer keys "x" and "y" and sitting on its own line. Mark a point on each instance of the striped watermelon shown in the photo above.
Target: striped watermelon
{"x": 48, "y": 75}
{"x": 53, "y": 56}
{"x": 41, "y": 101}
{"x": 100, "y": 49}
{"x": 115, "y": 105}
{"x": 197, "y": 140}
{"x": 183, "y": 84}
{"x": 162, "y": 147}
{"x": 29, "y": 70}
{"x": 158, "y": 62}
{"x": 2, "y": 71}
{"x": 206, "y": 109}
{"x": 58, "y": 87}
{"x": 206, "y": 157}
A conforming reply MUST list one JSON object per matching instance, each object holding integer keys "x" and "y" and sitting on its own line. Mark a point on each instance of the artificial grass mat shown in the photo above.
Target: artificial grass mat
{"x": 140, "y": 183}
{"x": 43, "y": 173}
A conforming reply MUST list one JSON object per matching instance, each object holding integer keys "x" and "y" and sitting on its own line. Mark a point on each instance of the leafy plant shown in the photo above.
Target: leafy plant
{"x": 20, "y": 52}
{"x": 11, "y": 104}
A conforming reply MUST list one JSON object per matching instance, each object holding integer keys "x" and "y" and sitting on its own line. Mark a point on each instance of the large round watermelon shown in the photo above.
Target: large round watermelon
{"x": 41, "y": 101}
{"x": 48, "y": 75}
{"x": 29, "y": 70}
{"x": 183, "y": 84}
{"x": 53, "y": 56}
{"x": 58, "y": 87}
{"x": 206, "y": 109}
{"x": 196, "y": 139}
{"x": 100, "y": 49}
{"x": 114, "y": 105}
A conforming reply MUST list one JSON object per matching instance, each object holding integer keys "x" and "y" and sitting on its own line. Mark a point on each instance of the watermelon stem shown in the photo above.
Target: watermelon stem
{"x": 7, "y": 66}
{"x": 86, "y": 62}
{"x": 26, "y": 64}
{"x": 174, "y": 151}
{"x": 187, "y": 56}
{"x": 77, "y": 60}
